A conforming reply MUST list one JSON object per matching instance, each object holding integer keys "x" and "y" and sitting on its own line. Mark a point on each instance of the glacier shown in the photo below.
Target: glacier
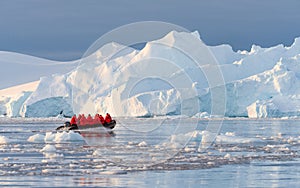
{"x": 163, "y": 79}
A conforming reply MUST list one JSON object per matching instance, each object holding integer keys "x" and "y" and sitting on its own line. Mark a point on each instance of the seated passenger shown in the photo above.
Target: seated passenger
{"x": 107, "y": 118}
{"x": 97, "y": 119}
{"x": 102, "y": 121}
{"x": 78, "y": 119}
{"x": 89, "y": 120}
{"x": 73, "y": 120}
{"x": 83, "y": 120}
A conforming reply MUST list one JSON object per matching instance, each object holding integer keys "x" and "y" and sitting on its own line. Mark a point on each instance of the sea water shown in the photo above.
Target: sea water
{"x": 152, "y": 152}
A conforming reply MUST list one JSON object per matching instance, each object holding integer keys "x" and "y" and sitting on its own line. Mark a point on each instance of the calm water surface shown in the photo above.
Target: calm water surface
{"x": 152, "y": 153}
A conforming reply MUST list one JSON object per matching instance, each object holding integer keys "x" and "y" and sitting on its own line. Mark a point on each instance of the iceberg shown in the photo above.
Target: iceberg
{"x": 51, "y": 98}
{"x": 175, "y": 75}
{"x": 12, "y": 99}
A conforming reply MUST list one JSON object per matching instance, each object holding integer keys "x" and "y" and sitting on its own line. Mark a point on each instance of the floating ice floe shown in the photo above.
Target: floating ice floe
{"x": 36, "y": 138}
{"x": 48, "y": 149}
{"x": 61, "y": 137}
{"x": 4, "y": 140}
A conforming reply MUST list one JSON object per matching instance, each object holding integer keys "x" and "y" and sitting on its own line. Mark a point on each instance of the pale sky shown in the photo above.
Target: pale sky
{"x": 63, "y": 30}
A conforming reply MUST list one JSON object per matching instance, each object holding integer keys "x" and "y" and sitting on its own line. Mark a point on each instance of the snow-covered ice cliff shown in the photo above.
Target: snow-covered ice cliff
{"x": 262, "y": 82}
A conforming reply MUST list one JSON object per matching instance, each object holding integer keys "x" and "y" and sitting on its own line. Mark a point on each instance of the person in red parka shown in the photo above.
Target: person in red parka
{"x": 107, "y": 118}
{"x": 78, "y": 119}
{"x": 102, "y": 121}
{"x": 96, "y": 119}
{"x": 83, "y": 120}
{"x": 73, "y": 120}
{"x": 89, "y": 119}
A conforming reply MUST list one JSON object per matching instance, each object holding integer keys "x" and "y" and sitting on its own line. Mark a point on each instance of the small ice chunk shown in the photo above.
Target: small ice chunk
{"x": 142, "y": 144}
{"x": 53, "y": 155}
{"x": 113, "y": 172}
{"x": 4, "y": 140}
{"x": 48, "y": 149}
{"x": 36, "y": 138}
{"x": 227, "y": 156}
{"x": 97, "y": 152}
{"x": 230, "y": 134}
{"x": 61, "y": 137}
{"x": 49, "y": 137}
{"x": 187, "y": 149}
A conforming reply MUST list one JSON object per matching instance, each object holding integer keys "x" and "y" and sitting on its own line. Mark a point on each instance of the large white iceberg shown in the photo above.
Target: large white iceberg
{"x": 163, "y": 79}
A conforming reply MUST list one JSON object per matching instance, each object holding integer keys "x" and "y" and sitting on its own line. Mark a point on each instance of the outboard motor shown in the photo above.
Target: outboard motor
{"x": 67, "y": 124}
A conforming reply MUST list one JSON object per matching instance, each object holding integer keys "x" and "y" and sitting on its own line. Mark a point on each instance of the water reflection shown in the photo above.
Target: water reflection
{"x": 97, "y": 138}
